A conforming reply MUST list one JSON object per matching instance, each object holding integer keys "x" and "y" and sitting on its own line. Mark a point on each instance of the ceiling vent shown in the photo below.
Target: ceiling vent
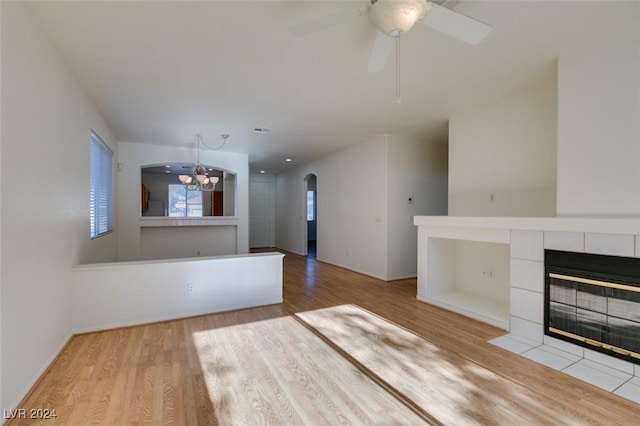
{"x": 262, "y": 130}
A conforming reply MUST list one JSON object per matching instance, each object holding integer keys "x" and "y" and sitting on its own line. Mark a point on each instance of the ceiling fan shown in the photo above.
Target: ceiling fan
{"x": 394, "y": 18}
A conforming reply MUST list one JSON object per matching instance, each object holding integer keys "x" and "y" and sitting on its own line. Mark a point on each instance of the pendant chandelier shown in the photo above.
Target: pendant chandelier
{"x": 199, "y": 180}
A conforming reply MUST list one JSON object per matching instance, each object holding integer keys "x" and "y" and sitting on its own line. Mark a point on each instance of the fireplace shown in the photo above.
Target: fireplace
{"x": 594, "y": 301}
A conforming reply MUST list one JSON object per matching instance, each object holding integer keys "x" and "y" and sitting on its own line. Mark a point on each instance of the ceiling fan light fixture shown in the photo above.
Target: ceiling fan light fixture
{"x": 397, "y": 17}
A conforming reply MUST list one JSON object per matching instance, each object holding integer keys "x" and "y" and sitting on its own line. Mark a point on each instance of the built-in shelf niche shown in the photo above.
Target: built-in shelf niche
{"x": 468, "y": 277}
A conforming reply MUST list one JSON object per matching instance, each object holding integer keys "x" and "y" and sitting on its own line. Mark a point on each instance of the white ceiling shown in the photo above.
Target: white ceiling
{"x": 162, "y": 72}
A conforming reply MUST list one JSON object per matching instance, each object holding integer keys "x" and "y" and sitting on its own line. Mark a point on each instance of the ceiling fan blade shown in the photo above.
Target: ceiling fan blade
{"x": 456, "y": 24}
{"x": 327, "y": 21}
{"x": 380, "y": 52}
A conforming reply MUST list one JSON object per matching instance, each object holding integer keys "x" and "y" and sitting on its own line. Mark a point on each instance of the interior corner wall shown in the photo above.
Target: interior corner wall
{"x": 289, "y": 221}
{"x": 229, "y": 194}
{"x": 46, "y": 123}
{"x": 417, "y": 170}
{"x": 132, "y": 156}
{"x": 502, "y": 157}
{"x": 352, "y": 199}
{"x": 598, "y": 117}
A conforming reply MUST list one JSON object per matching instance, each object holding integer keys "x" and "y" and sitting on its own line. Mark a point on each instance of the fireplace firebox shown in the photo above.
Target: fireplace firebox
{"x": 593, "y": 301}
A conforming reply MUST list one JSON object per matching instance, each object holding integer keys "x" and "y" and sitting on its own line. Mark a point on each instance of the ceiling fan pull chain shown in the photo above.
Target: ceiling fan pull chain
{"x": 398, "y": 99}
{"x": 199, "y": 138}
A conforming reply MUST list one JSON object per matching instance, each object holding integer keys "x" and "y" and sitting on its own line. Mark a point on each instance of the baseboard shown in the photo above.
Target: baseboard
{"x": 351, "y": 269}
{"x": 348, "y": 268}
{"x": 28, "y": 389}
{"x": 402, "y": 277}
{"x": 290, "y": 251}
{"x": 179, "y": 316}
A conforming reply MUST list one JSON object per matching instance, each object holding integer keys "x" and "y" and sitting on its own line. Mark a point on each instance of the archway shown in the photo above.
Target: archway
{"x": 310, "y": 225}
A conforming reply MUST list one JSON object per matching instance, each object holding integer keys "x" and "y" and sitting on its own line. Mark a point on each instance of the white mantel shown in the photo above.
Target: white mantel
{"x": 609, "y": 225}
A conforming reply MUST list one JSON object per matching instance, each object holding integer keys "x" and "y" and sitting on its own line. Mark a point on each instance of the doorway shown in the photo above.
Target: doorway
{"x": 311, "y": 209}
{"x": 260, "y": 216}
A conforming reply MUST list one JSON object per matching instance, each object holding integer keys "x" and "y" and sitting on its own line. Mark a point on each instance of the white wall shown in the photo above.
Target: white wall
{"x": 364, "y": 221}
{"x": 352, "y": 208}
{"x": 127, "y": 293}
{"x": 229, "y": 194}
{"x": 598, "y": 117}
{"x": 289, "y": 210}
{"x": 482, "y": 270}
{"x": 507, "y": 149}
{"x": 416, "y": 169}
{"x": 46, "y": 120}
{"x": 187, "y": 241}
{"x": 587, "y": 130}
{"x": 132, "y": 156}
{"x": 352, "y": 200}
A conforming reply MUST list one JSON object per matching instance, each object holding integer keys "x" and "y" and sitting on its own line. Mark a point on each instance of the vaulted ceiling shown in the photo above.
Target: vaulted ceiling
{"x": 163, "y": 71}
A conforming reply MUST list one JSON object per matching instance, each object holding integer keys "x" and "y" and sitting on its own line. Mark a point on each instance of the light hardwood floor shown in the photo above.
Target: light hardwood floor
{"x": 158, "y": 373}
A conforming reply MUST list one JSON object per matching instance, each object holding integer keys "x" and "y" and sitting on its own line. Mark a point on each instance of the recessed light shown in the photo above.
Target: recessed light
{"x": 210, "y": 169}
{"x": 288, "y": 160}
{"x": 168, "y": 171}
{"x": 262, "y": 171}
{"x": 167, "y": 166}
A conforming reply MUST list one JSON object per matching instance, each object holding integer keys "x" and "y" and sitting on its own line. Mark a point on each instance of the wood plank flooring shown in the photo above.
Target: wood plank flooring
{"x": 161, "y": 374}
{"x": 444, "y": 386}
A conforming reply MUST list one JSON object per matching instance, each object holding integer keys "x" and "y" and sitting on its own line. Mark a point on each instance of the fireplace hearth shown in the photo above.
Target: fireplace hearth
{"x": 594, "y": 301}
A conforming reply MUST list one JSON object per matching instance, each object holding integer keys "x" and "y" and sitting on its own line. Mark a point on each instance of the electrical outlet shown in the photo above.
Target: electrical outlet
{"x": 191, "y": 288}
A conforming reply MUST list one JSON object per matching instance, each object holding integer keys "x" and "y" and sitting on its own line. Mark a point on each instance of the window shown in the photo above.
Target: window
{"x": 101, "y": 198}
{"x": 183, "y": 202}
{"x": 311, "y": 206}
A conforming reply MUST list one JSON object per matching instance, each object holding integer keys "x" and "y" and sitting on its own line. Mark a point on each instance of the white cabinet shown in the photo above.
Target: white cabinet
{"x": 468, "y": 276}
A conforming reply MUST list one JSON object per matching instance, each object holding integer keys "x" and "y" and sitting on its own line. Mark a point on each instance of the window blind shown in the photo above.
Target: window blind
{"x": 101, "y": 198}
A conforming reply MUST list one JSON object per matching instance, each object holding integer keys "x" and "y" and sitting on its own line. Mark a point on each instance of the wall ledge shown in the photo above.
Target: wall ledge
{"x": 162, "y": 221}
{"x": 138, "y": 263}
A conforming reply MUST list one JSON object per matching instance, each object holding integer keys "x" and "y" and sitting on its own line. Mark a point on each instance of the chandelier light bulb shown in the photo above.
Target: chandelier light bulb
{"x": 199, "y": 180}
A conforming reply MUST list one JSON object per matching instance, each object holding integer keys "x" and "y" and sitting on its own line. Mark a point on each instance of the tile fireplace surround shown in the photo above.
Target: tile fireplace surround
{"x": 492, "y": 269}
